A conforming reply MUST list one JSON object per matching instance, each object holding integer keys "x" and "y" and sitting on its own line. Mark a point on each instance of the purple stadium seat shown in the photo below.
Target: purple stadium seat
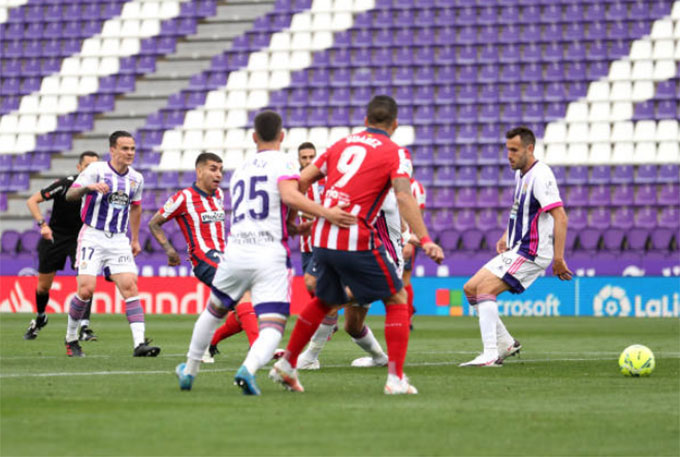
{"x": 178, "y": 241}
{"x": 666, "y": 90}
{"x": 636, "y": 239}
{"x": 577, "y": 175}
{"x": 669, "y": 195}
{"x": 623, "y": 195}
{"x": 10, "y": 241}
{"x": 425, "y": 175}
{"x": 577, "y": 196}
{"x": 441, "y": 198}
{"x": 646, "y": 218}
{"x": 445, "y": 176}
{"x": 448, "y": 239}
{"x": 645, "y": 195}
{"x": 488, "y": 220}
{"x": 488, "y": 176}
{"x": 589, "y": 239}
{"x": 600, "y": 218}
{"x": 3, "y": 202}
{"x": 471, "y": 240}
{"x": 612, "y": 239}
{"x": 466, "y": 197}
{"x": 600, "y": 174}
{"x": 646, "y": 174}
{"x": 442, "y": 220}
{"x": 670, "y": 218}
{"x": 6, "y": 163}
{"x": 669, "y": 173}
{"x": 507, "y": 177}
{"x": 661, "y": 239}
{"x": 578, "y": 219}
{"x": 465, "y": 220}
{"x": 489, "y": 197}
{"x": 599, "y": 196}
{"x": 622, "y": 174}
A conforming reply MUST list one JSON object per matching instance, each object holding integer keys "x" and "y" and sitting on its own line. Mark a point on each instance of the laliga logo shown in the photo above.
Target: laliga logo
{"x": 611, "y": 301}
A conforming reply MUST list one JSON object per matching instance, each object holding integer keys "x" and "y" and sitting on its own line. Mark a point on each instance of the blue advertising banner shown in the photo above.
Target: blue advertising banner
{"x": 630, "y": 297}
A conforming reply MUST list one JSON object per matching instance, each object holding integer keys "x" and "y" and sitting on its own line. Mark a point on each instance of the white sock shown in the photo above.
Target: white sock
{"x": 72, "y": 329}
{"x": 205, "y": 327}
{"x": 318, "y": 341}
{"x": 262, "y": 349}
{"x": 137, "y": 329}
{"x": 84, "y": 322}
{"x": 502, "y": 335}
{"x": 370, "y": 344}
{"x": 488, "y": 320}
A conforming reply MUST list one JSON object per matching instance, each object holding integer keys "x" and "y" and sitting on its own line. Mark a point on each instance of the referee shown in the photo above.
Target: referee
{"x": 59, "y": 240}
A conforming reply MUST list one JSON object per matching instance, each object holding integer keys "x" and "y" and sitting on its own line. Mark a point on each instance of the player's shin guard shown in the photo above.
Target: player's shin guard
{"x": 409, "y": 294}
{"x": 230, "y": 327}
{"x": 135, "y": 316}
{"x": 488, "y": 321}
{"x": 396, "y": 335}
{"x": 262, "y": 349}
{"x": 205, "y": 326}
{"x": 248, "y": 318}
{"x": 75, "y": 313}
{"x": 369, "y": 343}
{"x": 307, "y": 323}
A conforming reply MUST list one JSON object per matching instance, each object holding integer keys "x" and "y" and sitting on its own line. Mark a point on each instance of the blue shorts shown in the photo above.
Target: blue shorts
{"x": 308, "y": 263}
{"x": 370, "y": 275}
{"x": 206, "y": 267}
{"x": 408, "y": 265}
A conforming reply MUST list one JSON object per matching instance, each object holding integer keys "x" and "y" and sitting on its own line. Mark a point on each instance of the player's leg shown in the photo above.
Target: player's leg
{"x": 242, "y": 318}
{"x": 361, "y": 334}
{"x": 482, "y": 290}
{"x": 127, "y": 285}
{"x": 42, "y": 297}
{"x": 77, "y": 307}
{"x": 309, "y": 359}
{"x": 397, "y": 330}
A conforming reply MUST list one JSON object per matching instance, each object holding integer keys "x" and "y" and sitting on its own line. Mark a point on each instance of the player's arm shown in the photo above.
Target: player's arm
{"x": 409, "y": 210}
{"x": 135, "y": 223}
{"x": 291, "y": 196}
{"x": 502, "y": 243}
{"x": 157, "y": 231}
{"x": 32, "y": 204}
{"x": 77, "y": 191}
{"x": 309, "y": 175}
{"x": 560, "y": 268}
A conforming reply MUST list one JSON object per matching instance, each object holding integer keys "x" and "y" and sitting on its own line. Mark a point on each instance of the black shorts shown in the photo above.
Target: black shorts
{"x": 370, "y": 275}
{"x": 308, "y": 264}
{"x": 52, "y": 255}
{"x": 206, "y": 266}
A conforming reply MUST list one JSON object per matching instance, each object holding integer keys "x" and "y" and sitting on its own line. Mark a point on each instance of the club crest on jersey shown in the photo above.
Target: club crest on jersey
{"x": 119, "y": 199}
{"x": 210, "y": 217}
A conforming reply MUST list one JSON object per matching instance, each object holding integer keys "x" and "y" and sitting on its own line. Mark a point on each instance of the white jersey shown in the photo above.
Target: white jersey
{"x": 258, "y": 218}
{"x": 388, "y": 225}
{"x": 109, "y": 212}
{"x": 530, "y": 227}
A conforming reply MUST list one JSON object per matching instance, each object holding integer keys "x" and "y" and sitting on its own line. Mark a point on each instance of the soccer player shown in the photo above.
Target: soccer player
{"x": 359, "y": 171}
{"x": 59, "y": 241}
{"x": 306, "y": 155}
{"x": 257, "y": 257}
{"x": 535, "y": 236}
{"x": 199, "y": 212}
{"x": 410, "y": 249}
{"x": 112, "y": 194}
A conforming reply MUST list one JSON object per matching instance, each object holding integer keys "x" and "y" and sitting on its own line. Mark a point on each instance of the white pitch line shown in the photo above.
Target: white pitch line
{"x": 234, "y": 368}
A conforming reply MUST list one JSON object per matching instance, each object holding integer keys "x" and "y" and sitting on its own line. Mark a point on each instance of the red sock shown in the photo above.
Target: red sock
{"x": 409, "y": 293}
{"x": 248, "y": 318}
{"x": 396, "y": 335}
{"x": 230, "y": 327}
{"x": 307, "y": 323}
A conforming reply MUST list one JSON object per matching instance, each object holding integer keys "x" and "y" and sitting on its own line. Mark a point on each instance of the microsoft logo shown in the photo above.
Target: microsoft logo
{"x": 449, "y": 302}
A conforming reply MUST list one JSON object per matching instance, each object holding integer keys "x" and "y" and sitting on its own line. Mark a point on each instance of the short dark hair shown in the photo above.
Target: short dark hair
{"x": 306, "y": 145}
{"x": 87, "y": 154}
{"x": 525, "y": 134}
{"x": 205, "y": 157}
{"x": 268, "y": 125}
{"x": 113, "y": 138}
{"x": 382, "y": 110}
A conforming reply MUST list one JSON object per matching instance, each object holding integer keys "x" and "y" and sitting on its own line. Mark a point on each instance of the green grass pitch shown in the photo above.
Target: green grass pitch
{"x": 562, "y": 396}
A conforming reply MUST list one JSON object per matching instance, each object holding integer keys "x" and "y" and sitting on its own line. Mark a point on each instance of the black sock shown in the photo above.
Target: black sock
{"x": 41, "y": 301}
{"x": 87, "y": 310}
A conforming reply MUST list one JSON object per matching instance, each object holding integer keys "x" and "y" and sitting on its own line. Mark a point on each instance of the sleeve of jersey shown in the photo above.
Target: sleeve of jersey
{"x": 50, "y": 191}
{"x": 546, "y": 192}
{"x": 174, "y": 206}
{"x": 87, "y": 177}
{"x": 321, "y": 163}
{"x": 400, "y": 166}
{"x": 288, "y": 170}
{"x": 137, "y": 196}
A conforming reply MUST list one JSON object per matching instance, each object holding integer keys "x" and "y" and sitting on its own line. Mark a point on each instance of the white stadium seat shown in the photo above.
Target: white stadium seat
{"x": 108, "y": 66}
{"x": 214, "y": 139}
{"x": 236, "y": 118}
{"x": 598, "y": 91}
{"x": 577, "y": 132}
{"x": 322, "y": 40}
{"x": 236, "y": 138}
{"x": 30, "y": 104}
{"x": 338, "y": 133}
{"x": 642, "y": 90}
{"x": 577, "y": 154}
{"x": 112, "y": 28}
{"x": 663, "y": 49}
{"x": 599, "y": 111}
{"x": 192, "y": 139}
{"x": 9, "y": 123}
{"x": 257, "y": 99}
{"x": 233, "y": 158}
{"x": 599, "y": 132}
{"x": 67, "y": 104}
{"x": 621, "y": 91}
{"x": 131, "y": 10}
{"x": 25, "y": 142}
{"x": 319, "y": 137}
{"x": 279, "y": 79}
{"x": 149, "y": 28}
{"x": 556, "y": 154}
{"x": 555, "y": 132}
{"x": 405, "y": 135}
{"x": 7, "y": 143}
{"x": 622, "y": 131}
{"x": 258, "y": 61}
{"x": 641, "y": 49}
{"x": 621, "y": 111}
{"x": 47, "y": 123}
{"x": 237, "y": 80}
{"x": 258, "y": 80}
{"x": 170, "y": 160}
{"x": 322, "y": 6}
{"x": 642, "y": 70}
{"x": 295, "y": 136}
{"x": 577, "y": 112}
{"x": 623, "y": 153}
{"x": 171, "y": 140}
{"x": 662, "y": 29}
{"x": 645, "y": 131}
{"x": 216, "y": 99}
{"x": 668, "y": 152}
{"x": 619, "y": 70}
{"x": 667, "y": 130}
{"x": 27, "y": 123}
{"x": 89, "y": 66}
{"x": 322, "y": 21}
{"x": 280, "y": 41}
{"x": 664, "y": 69}
{"x": 236, "y": 99}
{"x": 279, "y": 60}
{"x": 194, "y": 119}
{"x": 70, "y": 66}
{"x": 130, "y": 28}
{"x": 645, "y": 152}
{"x": 600, "y": 153}
{"x": 214, "y": 119}
{"x": 188, "y": 161}
{"x": 301, "y": 41}
{"x": 301, "y": 22}
{"x": 341, "y": 21}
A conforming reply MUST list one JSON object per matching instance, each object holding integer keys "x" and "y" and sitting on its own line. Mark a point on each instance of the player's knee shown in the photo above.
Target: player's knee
{"x": 469, "y": 289}
{"x": 310, "y": 282}
{"x": 85, "y": 292}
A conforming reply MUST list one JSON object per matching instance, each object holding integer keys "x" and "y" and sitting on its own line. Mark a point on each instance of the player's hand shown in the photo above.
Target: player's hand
{"x": 46, "y": 232}
{"x": 136, "y": 248}
{"x": 100, "y": 187}
{"x": 303, "y": 228}
{"x": 501, "y": 245}
{"x": 408, "y": 251}
{"x": 561, "y": 270}
{"x": 341, "y": 218}
{"x": 173, "y": 258}
{"x": 433, "y": 251}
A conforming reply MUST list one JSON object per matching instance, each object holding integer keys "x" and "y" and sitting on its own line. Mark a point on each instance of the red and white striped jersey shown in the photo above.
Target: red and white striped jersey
{"x": 200, "y": 217}
{"x": 315, "y": 194}
{"x": 418, "y": 193}
{"x": 359, "y": 170}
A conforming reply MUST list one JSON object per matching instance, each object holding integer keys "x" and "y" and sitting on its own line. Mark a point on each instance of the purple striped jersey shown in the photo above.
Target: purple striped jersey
{"x": 110, "y": 211}
{"x": 530, "y": 227}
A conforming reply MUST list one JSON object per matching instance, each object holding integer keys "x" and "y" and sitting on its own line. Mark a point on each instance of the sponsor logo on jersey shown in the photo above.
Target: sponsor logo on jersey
{"x": 119, "y": 199}
{"x": 210, "y": 217}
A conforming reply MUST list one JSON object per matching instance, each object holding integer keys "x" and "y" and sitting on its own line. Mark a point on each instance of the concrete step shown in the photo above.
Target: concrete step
{"x": 161, "y": 87}
{"x": 182, "y": 68}
{"x": 108, "y": 125}
{"x": 20, "y": 224}
{"x": 139, "y": 106}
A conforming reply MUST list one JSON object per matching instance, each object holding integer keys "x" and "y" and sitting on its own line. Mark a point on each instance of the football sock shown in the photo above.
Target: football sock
{"x": 322, "y": 335}
{"x": 502, "y": 334}
{"x": 264, "y": 345}
{"x": 307, "y": 323}
{"x": 488, "y": 320}
{"x": 86, "y": 317}
{"x": 41, "y": 301}
{"x": 75, "y": 313}
{"x": 135, "y": 316}
{"x": 230, "y": 327}
{"x": 369, "y": 343}
{"x": 396, "y": 335}
{"x": 409, "y": 293}
{"x": 248, "y": 318}
{"x": 205, "y": 326}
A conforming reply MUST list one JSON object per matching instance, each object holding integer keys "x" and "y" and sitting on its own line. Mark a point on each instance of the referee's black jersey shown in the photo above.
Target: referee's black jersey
{"x": 65, "y": 219}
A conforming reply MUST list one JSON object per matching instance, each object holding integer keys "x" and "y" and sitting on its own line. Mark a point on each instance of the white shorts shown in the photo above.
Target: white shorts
{"x": 516, "y": 271}
{"x": 265, "y": 273}
{"x": 99, "y": 250}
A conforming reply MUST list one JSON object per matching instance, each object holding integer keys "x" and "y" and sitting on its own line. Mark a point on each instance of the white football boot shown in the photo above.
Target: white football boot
{"x": 367, "y": 362}
{"x": 286, "y": 375}
{"x": 483, "y": 360}
{"x": 396, "y": 386}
